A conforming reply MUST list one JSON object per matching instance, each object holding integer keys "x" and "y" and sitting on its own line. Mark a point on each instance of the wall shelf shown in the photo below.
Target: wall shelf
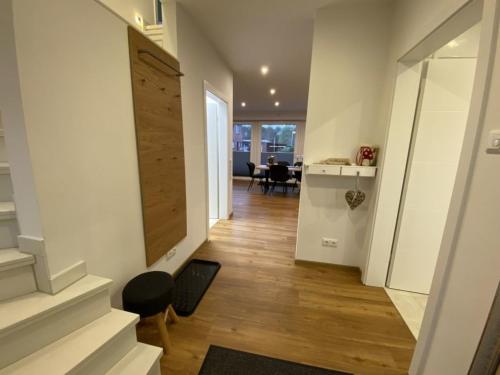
{"x": 340, "y": 170}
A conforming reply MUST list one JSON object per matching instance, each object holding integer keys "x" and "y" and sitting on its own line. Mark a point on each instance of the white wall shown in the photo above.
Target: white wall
{"x": 347, "y": 79}
{"x": 12, "y": 121}
{"x": 128, "y": 9}
{"x": 199, "y": 61}
{"x": 414, "y": 20}
{"x": 76, "y": 92}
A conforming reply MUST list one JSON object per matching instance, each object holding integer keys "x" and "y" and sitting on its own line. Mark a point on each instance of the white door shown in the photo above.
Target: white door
{"x": 223, "y": 147}
{"x": 213, "y": 159}
{"x": 217, "y": 118}
{"x": 431, "y": 175}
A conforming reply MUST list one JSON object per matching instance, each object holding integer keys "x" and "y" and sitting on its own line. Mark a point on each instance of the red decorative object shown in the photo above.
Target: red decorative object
{"x": 366, "y": 155}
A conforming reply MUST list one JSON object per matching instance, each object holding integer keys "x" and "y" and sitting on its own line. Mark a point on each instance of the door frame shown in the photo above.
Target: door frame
{"x": 387, "y": 201}
{"x": 207, "y": 87}
{"x": 375, "y": 271}
{"x": 470, "y": 148}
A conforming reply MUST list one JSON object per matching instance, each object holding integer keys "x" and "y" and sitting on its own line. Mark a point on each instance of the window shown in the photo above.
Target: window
{"x": 278, "y": 140}
{"x": 242, "y": 137}
{"x": 242, "y": 144}
{"x": 159, "y": 14}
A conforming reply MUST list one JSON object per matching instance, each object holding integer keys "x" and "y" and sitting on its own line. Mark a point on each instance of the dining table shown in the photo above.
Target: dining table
{"x": 265, "y": 168}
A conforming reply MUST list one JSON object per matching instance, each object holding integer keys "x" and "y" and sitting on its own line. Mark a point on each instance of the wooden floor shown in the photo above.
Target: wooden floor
{"x": 264, "y": 303}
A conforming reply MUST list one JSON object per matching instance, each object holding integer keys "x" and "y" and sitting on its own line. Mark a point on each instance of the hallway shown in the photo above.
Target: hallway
{"x": 262, "y": 302}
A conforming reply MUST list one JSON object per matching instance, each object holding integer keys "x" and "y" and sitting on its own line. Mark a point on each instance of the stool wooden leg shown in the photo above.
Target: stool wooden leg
{"x": 160, "y": 321}
{"x": 172, "y": 314}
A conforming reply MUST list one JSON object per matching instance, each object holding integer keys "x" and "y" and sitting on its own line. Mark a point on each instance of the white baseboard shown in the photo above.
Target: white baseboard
{"x": 45, "y": 281}
{"x": 68, "y": 276}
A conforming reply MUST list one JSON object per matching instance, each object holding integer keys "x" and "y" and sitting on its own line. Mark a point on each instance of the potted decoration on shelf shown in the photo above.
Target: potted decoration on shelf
{"x": 271, "y": 159}
{"x": 367, "y": 156}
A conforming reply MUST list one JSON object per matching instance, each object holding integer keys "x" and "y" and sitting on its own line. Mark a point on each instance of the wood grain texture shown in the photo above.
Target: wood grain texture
{"x": 261, "y": 301}
{"x": 160, "y": 148}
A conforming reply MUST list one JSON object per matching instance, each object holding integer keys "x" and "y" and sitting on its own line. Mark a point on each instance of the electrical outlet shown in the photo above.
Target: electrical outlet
{"x": 171, "y": 253}
{"x": 329, "y": 242}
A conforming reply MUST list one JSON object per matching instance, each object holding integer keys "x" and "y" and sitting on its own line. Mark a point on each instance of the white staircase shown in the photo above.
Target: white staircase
{"x": 72, "y": 332}
{"x": 155, "y": 33}
{"x": 16, "y": 273}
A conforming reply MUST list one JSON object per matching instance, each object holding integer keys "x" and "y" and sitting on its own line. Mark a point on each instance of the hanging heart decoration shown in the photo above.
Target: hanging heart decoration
{"x": 354, "y": 198}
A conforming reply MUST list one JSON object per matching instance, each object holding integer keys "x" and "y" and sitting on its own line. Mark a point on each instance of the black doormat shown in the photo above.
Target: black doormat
{"x": 222, "y": 361}
{"x": 192, "y": 283}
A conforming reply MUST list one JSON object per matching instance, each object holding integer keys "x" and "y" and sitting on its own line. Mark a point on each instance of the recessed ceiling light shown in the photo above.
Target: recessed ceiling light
{"x": 276, "y": 104}
{"x": 243, "y": 104}
{"x": 264, "y": 70}
{"x": 272, "y": 91}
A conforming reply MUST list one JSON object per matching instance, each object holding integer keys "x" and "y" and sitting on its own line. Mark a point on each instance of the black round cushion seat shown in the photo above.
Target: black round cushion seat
{"x": 148, "y": 293}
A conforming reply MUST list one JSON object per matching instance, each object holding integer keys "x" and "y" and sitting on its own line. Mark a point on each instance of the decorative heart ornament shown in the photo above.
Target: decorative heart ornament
{"x": 354, "y": 198}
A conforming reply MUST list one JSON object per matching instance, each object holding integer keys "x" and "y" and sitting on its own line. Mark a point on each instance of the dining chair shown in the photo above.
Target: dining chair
{"x": 283, "y": 162}
{"x": 253, "y": 175}
{"x": 279, "y": 174}
{"x": 297, "y": 175}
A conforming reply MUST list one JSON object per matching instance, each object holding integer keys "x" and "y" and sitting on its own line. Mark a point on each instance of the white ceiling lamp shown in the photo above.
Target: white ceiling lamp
{"x": 264, "y": 70}
{"x": 276, "y": 104}
{"x": 272, "y": 91}
{"x": 243, "y": 104}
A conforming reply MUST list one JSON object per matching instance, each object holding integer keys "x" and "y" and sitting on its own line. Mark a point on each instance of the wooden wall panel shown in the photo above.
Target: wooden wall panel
{"x": 160, "y": 148}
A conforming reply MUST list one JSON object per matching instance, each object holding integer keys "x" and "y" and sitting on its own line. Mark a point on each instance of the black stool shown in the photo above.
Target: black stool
{"x": 150, "y": 294}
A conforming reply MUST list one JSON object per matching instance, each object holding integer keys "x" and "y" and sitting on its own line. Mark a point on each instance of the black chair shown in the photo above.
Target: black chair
{"x": 253, "y": 175}
{"x": 284, "y": 162}
{"x": 297, "y": 175}
{"x": 150, "y": 295}
{"x": 279, "y": 175}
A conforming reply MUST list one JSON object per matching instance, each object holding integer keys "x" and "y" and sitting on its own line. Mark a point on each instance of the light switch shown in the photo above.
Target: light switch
{"x": 494, "y": 142}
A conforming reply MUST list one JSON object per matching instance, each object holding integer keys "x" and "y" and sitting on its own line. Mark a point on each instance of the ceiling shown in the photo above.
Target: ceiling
{"x": 252, "y": 33}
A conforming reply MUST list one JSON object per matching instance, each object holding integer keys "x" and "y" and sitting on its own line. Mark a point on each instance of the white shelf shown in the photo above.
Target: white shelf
{"x": 352, "y": 170}
{"x": 340, "y": 170}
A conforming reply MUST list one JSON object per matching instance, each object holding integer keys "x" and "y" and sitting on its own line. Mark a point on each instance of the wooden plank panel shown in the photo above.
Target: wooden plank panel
{"x": 160, "y": 148}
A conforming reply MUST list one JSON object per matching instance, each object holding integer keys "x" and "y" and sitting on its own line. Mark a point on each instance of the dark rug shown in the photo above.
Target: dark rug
{"x": 192, "y": 283}
{"x": 222, "y": 361}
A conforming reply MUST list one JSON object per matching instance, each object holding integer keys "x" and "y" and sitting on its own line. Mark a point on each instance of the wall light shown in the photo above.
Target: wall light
{"x": 243, "y": 104}
{"x": 139, "y": 20}
{"x": 272, "y": 91}
{"x": 264, "y": 70}
{"x": 276, "y": 104}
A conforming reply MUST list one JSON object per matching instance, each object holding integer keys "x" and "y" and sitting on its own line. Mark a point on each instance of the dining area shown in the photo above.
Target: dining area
{"x": 275, "y": 174}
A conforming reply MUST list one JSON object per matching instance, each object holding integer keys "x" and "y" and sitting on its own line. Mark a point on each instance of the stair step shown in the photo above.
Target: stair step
{"x": 81, "y": 350}
{"x": 16, "y": 274}
{"x": 9, "y": 230}
{"x": 13, "y": 258}
{"x": 7, "y": 210}
{"x": 29, "y": 322}
{"x": 22, "y": 310}
{"x": 4, "y": 168}
{"x": 143, "y": 359}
